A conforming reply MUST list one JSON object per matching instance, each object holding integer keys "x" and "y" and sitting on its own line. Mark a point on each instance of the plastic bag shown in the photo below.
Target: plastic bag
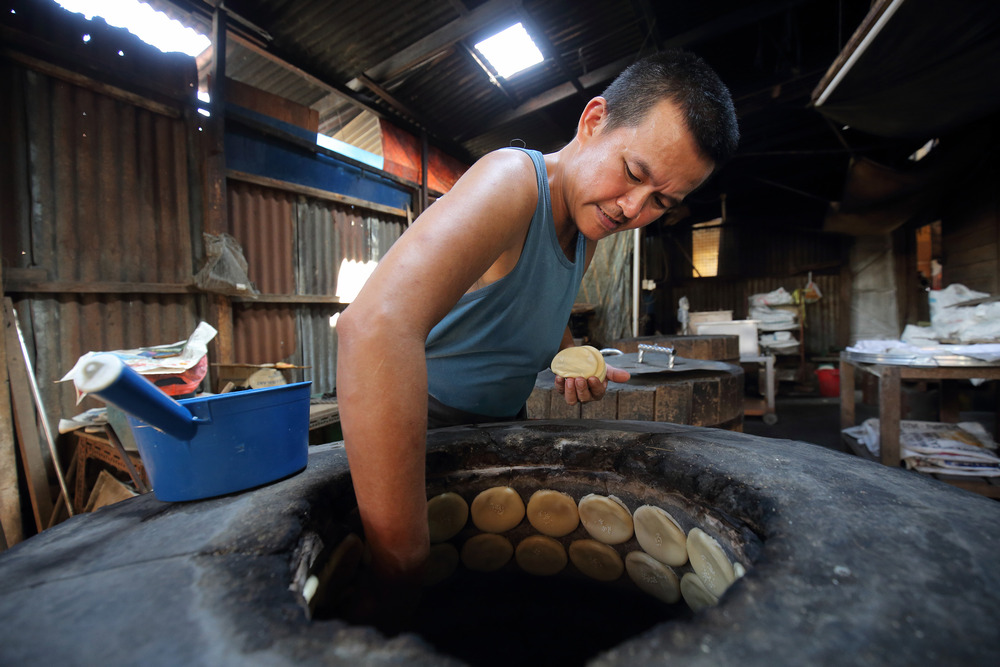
{"x": 225, "y": 270}
{"x": 811, "y": 293}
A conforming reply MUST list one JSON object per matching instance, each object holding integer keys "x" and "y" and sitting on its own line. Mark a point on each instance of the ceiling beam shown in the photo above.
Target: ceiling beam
{"x": 720, "y": 26}
{"x": 479, "y": 18}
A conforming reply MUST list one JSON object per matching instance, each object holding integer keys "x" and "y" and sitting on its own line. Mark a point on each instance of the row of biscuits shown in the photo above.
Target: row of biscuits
{"x": 606, "y": 519}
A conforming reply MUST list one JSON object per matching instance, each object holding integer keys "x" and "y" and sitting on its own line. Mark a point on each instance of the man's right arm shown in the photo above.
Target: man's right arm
{"x": 382, "y": 373}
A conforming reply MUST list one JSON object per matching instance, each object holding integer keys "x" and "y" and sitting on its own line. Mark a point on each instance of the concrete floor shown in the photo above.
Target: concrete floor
{"x": 807, "y": 419}
{"x": 817, "y": 420}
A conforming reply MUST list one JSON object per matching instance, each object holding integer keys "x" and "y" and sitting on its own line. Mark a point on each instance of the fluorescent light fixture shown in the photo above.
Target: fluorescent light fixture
{"x": 149, "y": 25}
{"x": 510, "y": 51}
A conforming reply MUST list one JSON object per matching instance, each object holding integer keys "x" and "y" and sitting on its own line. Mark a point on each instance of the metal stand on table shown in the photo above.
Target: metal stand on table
{"x": 768, "y": 413}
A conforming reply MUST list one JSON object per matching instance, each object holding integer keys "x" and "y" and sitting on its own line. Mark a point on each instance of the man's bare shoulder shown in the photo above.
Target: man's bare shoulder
{"x": 504, "y": 177}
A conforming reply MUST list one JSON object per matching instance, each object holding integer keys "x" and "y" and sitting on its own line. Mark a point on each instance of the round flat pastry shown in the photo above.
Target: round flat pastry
{"x": 441, "y": 563}
{"x": 497, "y": 510}
{"x": 606, "y": 518}
{"x": 553, "y": 513}
{"x": 596, "y": 560}
{"x": 540, "y": 555}
{"x": 710, "y": 562}
{"x": 695, "y": 594}
{"x": 660, "y": 535}
{"x": 652, "y": 576}
{"x": 582, "y": 361}
{"x": 486, "y": 552}
{"x": 446, "y": 516}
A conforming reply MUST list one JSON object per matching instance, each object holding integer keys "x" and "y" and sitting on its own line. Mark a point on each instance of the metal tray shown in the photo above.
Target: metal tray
{"x": 920, "y": 361}
{"x": 657, "y": 362}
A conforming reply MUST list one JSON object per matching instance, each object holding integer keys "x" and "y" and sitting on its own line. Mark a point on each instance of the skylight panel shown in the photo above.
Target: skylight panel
{"x": 510, "y": 51}
{"x": 149, "y": 25}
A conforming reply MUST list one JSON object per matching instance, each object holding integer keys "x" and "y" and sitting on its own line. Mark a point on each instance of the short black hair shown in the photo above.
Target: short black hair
{"x": 688, "y": 81}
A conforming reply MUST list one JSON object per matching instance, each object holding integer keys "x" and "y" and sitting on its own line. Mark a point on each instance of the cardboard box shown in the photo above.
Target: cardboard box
{"x": 745, "y": 329}
{"x": 705, "y": 316}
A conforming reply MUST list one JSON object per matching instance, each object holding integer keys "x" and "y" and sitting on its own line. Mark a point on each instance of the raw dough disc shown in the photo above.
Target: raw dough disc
{"x": 695, "y": 594}
{"x": 441, "y": 563}
{"x": 660, "y": 535}
{"x": 540, "y": 555}
{"x": 710, "y": 562}
{"x": 606, "y": 518}
{"x": 486, "y": 552}
{"x": 652, "y": 576}
{"x": 446, "y": 515}
{"x": 596, "y": 560}
{"x": 553, "y": 513}
{"x": 497, "y": 510}
{"x": 581, "y": 361}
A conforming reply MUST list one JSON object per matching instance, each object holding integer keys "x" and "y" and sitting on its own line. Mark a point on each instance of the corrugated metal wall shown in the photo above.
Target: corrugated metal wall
{"x": 106, "y": 202}
{"x": 294, "y": 246}
{"x": 756, "y": 261}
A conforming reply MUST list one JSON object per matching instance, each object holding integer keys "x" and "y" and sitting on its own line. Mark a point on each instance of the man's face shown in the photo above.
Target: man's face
{"x": 630, "y": 176}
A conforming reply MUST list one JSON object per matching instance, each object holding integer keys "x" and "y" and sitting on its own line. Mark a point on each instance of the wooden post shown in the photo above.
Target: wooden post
{"x": 846, "y": 392}
{"x": 28, "y": 437}
{"x": 10, "y": 499}
{"x": 889, "y": 411}
{"x": 216, "y": 209}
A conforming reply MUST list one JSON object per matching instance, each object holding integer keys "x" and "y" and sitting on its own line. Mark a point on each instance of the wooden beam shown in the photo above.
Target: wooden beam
{"x": 313, "y": 192}
{"x": 429, "y": 46}
{"x": 720, "y": 26}
{"x": 307, "y": 299}
{"x": 10, "y": 498}
{"x": 89, "y": 83}
{"x": 15, "y": 286}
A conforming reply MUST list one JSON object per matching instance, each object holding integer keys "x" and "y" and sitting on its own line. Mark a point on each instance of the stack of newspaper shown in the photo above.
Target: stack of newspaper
{"x": 934, "y": 447}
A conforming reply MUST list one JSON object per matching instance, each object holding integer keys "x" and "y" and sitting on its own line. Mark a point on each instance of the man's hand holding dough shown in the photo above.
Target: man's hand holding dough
{"x": 582, "y": 376}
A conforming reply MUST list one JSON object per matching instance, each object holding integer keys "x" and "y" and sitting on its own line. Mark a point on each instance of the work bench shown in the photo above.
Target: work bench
{"x": 890, "y": 377}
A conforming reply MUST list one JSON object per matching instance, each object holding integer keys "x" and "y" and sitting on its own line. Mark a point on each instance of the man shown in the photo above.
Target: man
{"x": 655, "y": 135}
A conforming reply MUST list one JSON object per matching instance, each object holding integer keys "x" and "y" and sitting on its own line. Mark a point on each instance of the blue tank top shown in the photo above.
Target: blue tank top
{"x": 484, "y": 356}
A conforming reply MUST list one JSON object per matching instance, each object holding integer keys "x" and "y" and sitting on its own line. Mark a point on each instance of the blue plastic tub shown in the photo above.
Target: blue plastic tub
{"x": 243, "y": 439}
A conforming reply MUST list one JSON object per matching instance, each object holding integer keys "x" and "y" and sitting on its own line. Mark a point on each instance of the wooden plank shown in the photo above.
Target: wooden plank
{"x": 28, "y": 437}
{"x": 320, "y": 299}
{"x": 974, "y": 484}
{"x": 637, "y": 402}
{"x": 10, "y": 498}
{"x": 705, "y": 396}
{"x": 673, "y": 403}
{"x": 606, "y": 408}
{"x": 15, "y": 286}
{"x": 559, "y": 409}
{"x": 315, "y": 193}
{"x": 142, "y": 101}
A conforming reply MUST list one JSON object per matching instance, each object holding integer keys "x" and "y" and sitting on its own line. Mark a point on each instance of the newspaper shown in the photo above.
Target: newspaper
{"x": 172, "y": 358}
{"x": 954, "y": 449}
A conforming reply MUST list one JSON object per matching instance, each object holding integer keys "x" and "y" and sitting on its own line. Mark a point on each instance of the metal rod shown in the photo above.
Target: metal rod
{"x": 42, "y": 417}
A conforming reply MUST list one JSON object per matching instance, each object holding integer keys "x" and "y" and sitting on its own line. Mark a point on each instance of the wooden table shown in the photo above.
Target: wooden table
{"x": 94, "y": 447}
{"x": 890, "y": 407}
